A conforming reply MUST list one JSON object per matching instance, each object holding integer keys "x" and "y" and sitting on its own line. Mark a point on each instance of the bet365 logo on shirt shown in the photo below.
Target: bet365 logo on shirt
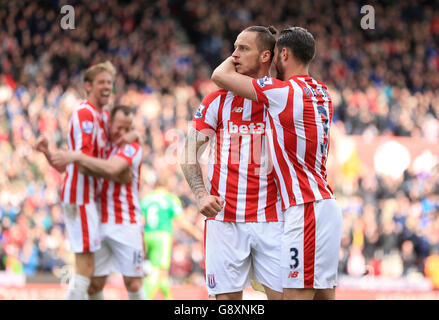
{"x": 246, "y": 127}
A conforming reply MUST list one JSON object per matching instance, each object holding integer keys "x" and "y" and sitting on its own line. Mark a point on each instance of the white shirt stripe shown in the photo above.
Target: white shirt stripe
{"x": 301, "y": 137}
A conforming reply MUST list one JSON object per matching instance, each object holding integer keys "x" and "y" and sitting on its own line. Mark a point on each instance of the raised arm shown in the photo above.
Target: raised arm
{"x": 226, "y": 77}
{"x": 208, "y": 205}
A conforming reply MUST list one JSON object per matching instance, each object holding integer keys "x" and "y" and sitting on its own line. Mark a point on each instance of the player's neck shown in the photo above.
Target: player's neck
{"x": 95, "y": 102}
{"x": 296, "y": 70}
{"x": 262, "y": 72}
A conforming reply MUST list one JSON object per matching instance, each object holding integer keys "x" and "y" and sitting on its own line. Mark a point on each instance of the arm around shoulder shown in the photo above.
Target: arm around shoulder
{"x": 226, "y": 77}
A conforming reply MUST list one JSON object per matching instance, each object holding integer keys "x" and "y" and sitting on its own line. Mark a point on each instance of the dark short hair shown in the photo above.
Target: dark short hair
{"x": 120, "y": 107}
{"x": 300, "y": 41}
{"x": 265, "y": 37}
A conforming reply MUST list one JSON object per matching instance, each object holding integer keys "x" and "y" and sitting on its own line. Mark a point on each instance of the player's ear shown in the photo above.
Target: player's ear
{"x": 285, "y": 54}
{"x": 265, "y": 56}
{"x": 87, "y": 86}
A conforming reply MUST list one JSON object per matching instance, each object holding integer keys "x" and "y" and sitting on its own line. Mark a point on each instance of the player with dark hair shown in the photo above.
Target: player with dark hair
{"x": 299, "y": 118}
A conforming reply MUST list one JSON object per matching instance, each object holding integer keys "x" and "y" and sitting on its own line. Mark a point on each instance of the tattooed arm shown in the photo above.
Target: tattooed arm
{"x": 208, "y": 205}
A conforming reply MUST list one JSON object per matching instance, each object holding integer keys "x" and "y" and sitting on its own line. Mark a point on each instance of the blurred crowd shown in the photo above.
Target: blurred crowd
{"x": 383, "y": 81}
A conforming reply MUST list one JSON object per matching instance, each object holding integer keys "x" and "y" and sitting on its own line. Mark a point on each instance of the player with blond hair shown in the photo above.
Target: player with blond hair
{"x": 87, "y": 133}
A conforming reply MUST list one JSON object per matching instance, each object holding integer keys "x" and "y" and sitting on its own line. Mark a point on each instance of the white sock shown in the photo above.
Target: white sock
{"x": 139, "y": 295}
{"x": 78, "y": 287}
{"x": 97, "y": 296}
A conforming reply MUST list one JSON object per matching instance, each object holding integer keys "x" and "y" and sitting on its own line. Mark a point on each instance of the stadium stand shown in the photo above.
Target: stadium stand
{"x": 383, "y": 82}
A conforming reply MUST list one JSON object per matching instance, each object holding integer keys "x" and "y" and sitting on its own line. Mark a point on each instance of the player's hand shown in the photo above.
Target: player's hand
{"x": 125, "y": 176}
{"x": 42, "y": 144}
{"x": 229, "y": 64}
{"x": 127, "y": 138}
{"x": 62, "y": 158}
{"x": 209, "y": 205}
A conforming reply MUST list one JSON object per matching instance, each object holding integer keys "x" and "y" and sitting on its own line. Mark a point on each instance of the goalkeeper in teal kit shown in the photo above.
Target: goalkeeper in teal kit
{"x": 159, "y": 209}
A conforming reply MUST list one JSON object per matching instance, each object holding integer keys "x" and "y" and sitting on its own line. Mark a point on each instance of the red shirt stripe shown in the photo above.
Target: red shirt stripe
{"x": 309, "y": 245}
{"x": 117, "y": 203}
{"x": 131, "y": 207}
{"x": 85, "y": 232}
{"x": 104, "y": 201}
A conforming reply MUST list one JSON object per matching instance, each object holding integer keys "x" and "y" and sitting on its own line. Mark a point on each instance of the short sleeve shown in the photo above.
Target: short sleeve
{"x": 128, "y": 152}
{"x": 272, "y": 92}
{"x": 84, "y": 128}
{"x": 206, "y": 117}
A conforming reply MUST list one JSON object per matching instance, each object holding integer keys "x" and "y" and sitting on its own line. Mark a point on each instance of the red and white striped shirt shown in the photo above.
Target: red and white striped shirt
{"x": 300, "y": 114}
{"x": 120, "y": 203}
{"x": 239, "y": 169}
{"x": 87, "y": 134}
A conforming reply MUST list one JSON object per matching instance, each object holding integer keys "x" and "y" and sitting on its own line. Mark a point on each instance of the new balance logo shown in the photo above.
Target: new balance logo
{"x": 293, "y": 274}
{"x": 237, "y": 109}
{"x": 246, "y": 127}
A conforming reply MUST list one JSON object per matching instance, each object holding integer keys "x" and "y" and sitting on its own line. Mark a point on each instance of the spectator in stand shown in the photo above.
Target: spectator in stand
{"x": 2, "y": 257}
{"x": 29, "y": 257}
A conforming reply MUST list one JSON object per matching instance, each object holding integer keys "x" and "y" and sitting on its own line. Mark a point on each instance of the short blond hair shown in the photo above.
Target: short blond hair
{"x": 93, "y": 71}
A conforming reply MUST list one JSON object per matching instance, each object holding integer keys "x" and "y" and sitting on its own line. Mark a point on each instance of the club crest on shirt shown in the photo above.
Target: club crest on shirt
{"x": 263, "y": 81}
{"x": 129, "y": 150}
{"x": 87, "y": 126}
{"x": 199, "y": 112}
{"x": 211, "y": 281}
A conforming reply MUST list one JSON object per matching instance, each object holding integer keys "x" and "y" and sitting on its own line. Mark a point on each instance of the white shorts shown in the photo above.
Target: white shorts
{"x": 82, "y": 225}
{"x": 310, "y": 245}
{"x": 121, "y": 251}
{"x": 237, "y": 252}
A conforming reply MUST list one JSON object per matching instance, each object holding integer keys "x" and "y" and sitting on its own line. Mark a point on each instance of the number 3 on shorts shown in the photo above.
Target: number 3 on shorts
{"x": 294, "y": 253}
